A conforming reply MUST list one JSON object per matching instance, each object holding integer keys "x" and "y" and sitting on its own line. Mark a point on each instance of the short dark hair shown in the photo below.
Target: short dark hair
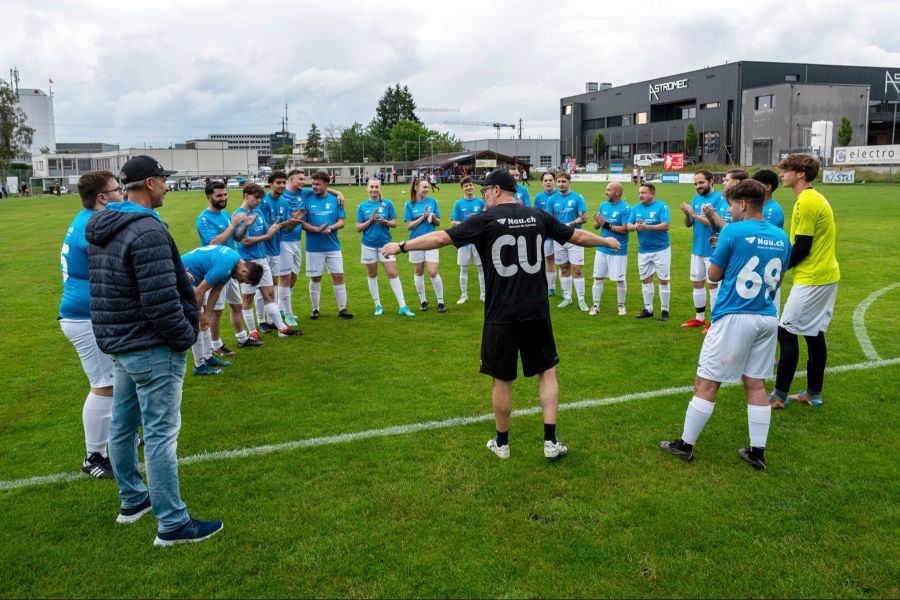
{"x": 707, "y": 174}
{"x": 767, "y": 177}
{"x": 563, "y": 175}
{"x": 277, "y": 175}
{"x": 254, "y": 189}
{"x": 738, "y": 174}
{"x": 465, "y": 180}
{"x": 749, "y": 190}
{"x": 254, "y": 271}
{"x": 650, "y": 187}
{"x": 550, "y": 173}
{"x": 212, "y": 186}
{"x": 321, "y": 176}
{"x": 801, "y": 163}
{"x": 91, "y": 185}
{"x": 293, "y": 172}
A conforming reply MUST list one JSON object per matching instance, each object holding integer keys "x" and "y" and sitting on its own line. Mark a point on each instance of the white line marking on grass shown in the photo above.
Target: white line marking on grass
{"x": 859, "y": 321}
{"x": 328, "y": 440}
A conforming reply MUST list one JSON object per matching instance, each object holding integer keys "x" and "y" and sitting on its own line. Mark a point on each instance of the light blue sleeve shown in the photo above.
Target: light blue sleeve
{"x": 582, "y": 204}
{"x": 360, "y": 216}
{"x": 219, "y": 274}
{"x": 206, "y": 230}
{"x": 407, "y": 212}
{"x": 454, "y": 216}
{"x": 632, "y": 217}
{"x": 341, "y": 213}
{"x": 664, "y": 216}
{"x": 435, "y": 208}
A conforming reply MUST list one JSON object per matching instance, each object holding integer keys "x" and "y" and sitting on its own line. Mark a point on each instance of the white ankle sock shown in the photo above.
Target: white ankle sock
{"x": 664, "y": 293}
{"x": 579, "y": 288}
{"x": 420, "y": 286}
{"x": 275, "y": 315}
{"x": 340, "y": 295}
{"x": 438, "y": 286}
{"x": 95, "y": 417}
{"x": 315, "y": 293}
{"x": 566, "y": 286}
{"x": 758, "y": 420}
{"x": 373, "y": 289}
{"x": 698, "y": 413}
{"x": 397, "y": 288}
{"x": 597, "y": 291}
{"x": 464, "y": 281}
{"x": 647, "y": 293}
{"x": 700, "y": 303}
{"x": 248, "y": 320}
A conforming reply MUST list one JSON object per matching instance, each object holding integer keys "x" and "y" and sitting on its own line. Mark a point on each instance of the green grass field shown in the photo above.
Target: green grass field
{"x": 432, "y": 513}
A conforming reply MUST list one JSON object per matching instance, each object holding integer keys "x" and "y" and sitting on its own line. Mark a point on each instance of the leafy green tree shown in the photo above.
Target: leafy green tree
{"x": 599, "y": 146}
{"x": 845, "y": 132}
{"x": 288, "y": 149}
{"x": 353, "y": 143}
{"x": 691, "y": 139}
{"x": 395, "y": 105}
{"x": 313, "y": 147}
{"x": 15, "y": 134}
{"x": 445, "y": 142}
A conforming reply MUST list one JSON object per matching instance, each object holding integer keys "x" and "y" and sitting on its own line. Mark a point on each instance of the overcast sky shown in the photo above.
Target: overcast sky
{"x": 162, "y": 72}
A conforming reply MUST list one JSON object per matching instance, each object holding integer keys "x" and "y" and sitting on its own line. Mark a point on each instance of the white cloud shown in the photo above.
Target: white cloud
{"x": 170, "y": 71}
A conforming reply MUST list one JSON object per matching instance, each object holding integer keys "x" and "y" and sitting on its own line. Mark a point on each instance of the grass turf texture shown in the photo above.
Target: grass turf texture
{"x": 434, "y": 513}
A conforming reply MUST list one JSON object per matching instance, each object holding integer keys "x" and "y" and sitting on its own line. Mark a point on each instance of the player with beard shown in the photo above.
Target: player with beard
{"x": 509, "y": 237}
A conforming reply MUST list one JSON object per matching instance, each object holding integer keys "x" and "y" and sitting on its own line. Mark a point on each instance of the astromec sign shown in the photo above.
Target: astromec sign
{"x": 867, "y": 155}
{"x": 666, "y": 86}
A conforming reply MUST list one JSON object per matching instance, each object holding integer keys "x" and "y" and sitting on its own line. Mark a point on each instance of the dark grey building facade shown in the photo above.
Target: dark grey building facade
{"x": 652, "y": 116}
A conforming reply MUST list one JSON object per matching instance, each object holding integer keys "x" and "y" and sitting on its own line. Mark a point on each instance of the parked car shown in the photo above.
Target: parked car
{"x": 647, "y": 160}
{"x": 197, "y": 184}
{"x": 171, "y": 184}
{"x": 233, "y": 184}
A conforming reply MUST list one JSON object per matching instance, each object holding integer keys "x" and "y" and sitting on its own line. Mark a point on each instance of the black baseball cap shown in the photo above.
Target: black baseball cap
{"x": 141, "y": 167}
{"x": 502, "y": 179}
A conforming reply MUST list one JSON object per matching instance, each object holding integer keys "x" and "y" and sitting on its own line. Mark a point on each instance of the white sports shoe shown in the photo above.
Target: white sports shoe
{"x": 566, "y": 302}
{"x": 622, "y": 312}
{"x": 595, "y": 310}
{"x": 554, "y": 450}
{"x": 462, "y": 299}
{"x": 501, "y": 451}
{"x": 582, "y": 305}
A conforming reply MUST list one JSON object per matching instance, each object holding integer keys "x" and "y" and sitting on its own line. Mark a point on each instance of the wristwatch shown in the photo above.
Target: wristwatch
{"x": 402, "y": 244}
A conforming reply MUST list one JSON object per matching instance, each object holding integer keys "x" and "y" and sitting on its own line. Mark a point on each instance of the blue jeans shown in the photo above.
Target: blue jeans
{"x": 147, "y": 391}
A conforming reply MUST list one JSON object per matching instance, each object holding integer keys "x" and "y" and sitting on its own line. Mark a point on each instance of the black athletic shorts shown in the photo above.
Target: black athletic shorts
{"x": 502, "y": 344}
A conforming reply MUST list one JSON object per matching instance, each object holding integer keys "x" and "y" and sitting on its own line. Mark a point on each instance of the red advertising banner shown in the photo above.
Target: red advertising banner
{"x": 673, "y": 161}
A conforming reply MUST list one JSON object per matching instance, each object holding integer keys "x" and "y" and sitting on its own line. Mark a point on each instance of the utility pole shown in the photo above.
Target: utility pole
{"x": 520, "y": 128}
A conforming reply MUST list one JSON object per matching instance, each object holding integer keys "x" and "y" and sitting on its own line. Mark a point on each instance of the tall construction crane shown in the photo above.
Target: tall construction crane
{"x": 437, "y": 110}
{"x": 495, "y": 125}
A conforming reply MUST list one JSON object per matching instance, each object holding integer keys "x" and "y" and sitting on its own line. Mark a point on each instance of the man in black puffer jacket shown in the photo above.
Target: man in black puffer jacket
{"x": 144, "y": 314}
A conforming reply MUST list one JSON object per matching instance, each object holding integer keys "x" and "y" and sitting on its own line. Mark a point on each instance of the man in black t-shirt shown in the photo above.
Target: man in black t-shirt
{"x": 509, "y": 238}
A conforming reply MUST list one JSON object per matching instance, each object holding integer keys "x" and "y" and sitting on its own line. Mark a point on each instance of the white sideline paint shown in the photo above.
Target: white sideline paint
{"x": 203, "y": 457}
{"x": 859, "y": 321}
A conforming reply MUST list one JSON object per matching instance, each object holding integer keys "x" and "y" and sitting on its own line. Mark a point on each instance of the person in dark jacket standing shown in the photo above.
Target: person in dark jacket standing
{"x": 144, "y": 314}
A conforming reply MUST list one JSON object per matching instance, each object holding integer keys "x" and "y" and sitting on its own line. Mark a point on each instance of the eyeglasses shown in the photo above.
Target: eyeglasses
{"x": 115, "y": 189}
{"x": 484, "y": 188}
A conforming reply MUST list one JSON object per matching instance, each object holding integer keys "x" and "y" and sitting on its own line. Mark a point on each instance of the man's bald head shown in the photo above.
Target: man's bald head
{"x": 614, "y": 191}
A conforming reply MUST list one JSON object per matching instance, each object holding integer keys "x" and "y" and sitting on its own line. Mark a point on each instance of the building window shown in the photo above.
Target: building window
{"x": 627, "y": 120}
{"x": 792, "y": 78}
{"x": 711, "y": 143}
{"x": 615, "y": 152}
{"x": 641, "y": 118}
{"x": 709, "y": 105}
{"x": 626, "y": 151}
{"x": 614, "y": 121}
{"x": 567, "y": 109}
{"x": 595, "y": 123}
{"x": 689, "y": 112}
{"x": 766, "y": 102}
{"x": 526, "y": 158}
{"x": 546, "y": 160}
{"x": 642, "y": 148}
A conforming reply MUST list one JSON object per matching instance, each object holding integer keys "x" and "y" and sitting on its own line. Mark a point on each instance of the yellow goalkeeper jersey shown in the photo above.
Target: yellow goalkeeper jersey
{"x": 813, "y": 216}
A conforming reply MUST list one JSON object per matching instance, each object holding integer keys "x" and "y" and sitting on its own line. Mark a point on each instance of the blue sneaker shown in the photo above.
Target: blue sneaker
{"x": 806, "y": 397}
{"x": 130, "y": 515}
{"x": 552, "y": 292}
{"x": 378, "y": 310}
{"x": 194, "y": 530}
{"x": 212, "y": 361}
{"x": 290, "y": 320}
{"x": 405, "y": 312}
{"x": 205, "y": 369}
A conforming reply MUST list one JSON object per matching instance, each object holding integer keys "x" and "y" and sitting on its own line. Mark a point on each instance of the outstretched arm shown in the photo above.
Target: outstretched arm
{"x": 429, "y": 241}
{"x": 586, "y": 239}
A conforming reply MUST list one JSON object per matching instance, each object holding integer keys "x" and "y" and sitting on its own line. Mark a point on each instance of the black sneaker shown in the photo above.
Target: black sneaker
{"x": 130, "y": 515}
{"x": 683, "y": 451}
{"x": 266, "y": 328}
{"x": 663, "y": 315}
{"x": 644, "y": 314}
{"x": 345, "y": 314}
{"x": 755, "y": 457}
{"x": 424, "y": 306}
{"x": 441, "y": 307}
{"x": 97, "y": 465}
{"x": 194, "y": 530}
{"x": 314, "y": 314}
{"x": 224, "y": 351}
{"x": 251, "y": 342}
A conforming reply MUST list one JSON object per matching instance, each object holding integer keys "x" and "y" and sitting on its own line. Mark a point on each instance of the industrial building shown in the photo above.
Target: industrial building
{"x": 745, "y": 112}
{"x": 539, "y": 153}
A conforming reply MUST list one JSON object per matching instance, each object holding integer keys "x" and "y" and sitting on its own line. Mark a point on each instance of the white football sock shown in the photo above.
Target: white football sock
{"x": 700, "y": 303}
{"x": 275, "y": 315}
{"x": 216, "y": 344}
{"x": 260, "y": 305}
{"x": 664, "y": 293}
{"x": 579, "y": 288}
{"x": 95, "y": 416}
{"x": 340, "y": 295}
{"x": 621, "y": 291}
{"x": 438, "y": 286}
{"x": 566, "y": 286}
{"x": 241, "y": 336}
{"x": 698, "y": 413}
{"x": 758, "y": 419}
{"x": 248, "y": 320}
{"x": 713, "y": 294}
{"x": 207, "y": 343}
{"x": 284, "y": 293}
{"x": 315, "y": 293}
{"x": 197, "y": 351}
{"x": 597, "y": 291}
{"x": 397, "y": 288}
{"x": 551, "y": 279}
{"x": 420, "y": 286}
{"x": 480, "y": 279}
{"x": 373, "y": 289}
{"x": 464, "y": 281}
{"x": 647, "y": 293}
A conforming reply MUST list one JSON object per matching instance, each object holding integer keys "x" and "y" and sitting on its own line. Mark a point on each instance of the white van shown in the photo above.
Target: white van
{"x": 647, "y": 160}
